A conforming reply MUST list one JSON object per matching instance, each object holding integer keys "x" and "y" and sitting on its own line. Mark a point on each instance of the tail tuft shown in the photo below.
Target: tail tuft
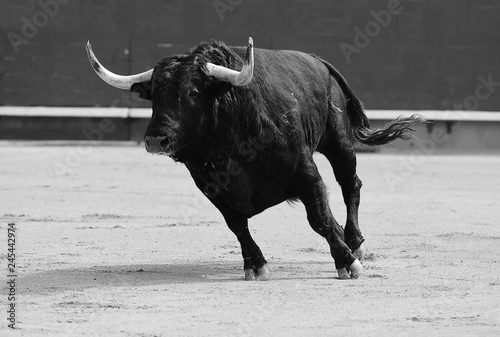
{"x": 398, "y": 128}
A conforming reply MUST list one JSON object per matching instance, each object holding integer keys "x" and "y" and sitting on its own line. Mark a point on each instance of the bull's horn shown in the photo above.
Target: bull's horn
{"x": 117, "y": 81}
{"x": 236, "y": 78}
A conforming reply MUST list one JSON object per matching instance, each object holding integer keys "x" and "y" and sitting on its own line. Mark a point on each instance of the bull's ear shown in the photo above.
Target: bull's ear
{"x": 221, "y": 88}
{"x": 143, "y": 89}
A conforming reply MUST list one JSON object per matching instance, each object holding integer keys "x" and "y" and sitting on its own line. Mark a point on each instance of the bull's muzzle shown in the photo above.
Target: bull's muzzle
{"x": 157, "y": 144}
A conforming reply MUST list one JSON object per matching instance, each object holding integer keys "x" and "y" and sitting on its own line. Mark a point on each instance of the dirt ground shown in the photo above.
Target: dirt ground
{"x": 112, "y": 241}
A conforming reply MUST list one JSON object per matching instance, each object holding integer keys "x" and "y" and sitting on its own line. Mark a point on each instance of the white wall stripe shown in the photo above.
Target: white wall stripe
{"x": 98, "y": 112}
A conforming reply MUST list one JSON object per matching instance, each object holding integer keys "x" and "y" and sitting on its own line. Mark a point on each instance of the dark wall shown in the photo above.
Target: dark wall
{"x": 429, "y": 56}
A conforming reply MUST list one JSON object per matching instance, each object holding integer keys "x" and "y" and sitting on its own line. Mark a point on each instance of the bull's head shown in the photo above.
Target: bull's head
{"x": 183, "y": 89}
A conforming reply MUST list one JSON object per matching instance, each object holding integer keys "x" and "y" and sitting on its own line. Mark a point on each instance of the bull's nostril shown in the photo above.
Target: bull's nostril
{"x": 164, "y": 143}
{"x": 156, "y": 144}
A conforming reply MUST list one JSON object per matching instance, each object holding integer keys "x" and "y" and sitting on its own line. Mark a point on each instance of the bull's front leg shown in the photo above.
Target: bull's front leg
{"x": 254, "y": 263}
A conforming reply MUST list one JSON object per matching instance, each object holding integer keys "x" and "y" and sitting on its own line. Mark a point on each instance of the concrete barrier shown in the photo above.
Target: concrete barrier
{"x": 450, "y": 131}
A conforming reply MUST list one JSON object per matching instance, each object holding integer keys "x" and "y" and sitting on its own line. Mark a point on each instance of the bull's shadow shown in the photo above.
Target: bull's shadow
{"x": 128, "y": 275}
{"x": 158, "y": 274}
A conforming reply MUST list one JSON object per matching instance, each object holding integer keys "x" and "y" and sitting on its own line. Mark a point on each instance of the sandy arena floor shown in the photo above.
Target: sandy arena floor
{"x": 112, "y": 241}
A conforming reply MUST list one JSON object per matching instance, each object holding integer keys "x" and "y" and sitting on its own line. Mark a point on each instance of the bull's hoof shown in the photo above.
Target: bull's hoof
{"x": 259, "y": 274}
{"x": 343, "y": 274}
{"x": 263, "y": 273}
{"x": 360, "y": 252}
{"x": 356, "y": 269}
{"x": 249, "y": 275}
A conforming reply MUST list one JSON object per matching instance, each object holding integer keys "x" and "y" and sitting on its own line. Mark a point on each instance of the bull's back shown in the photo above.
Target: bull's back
{"x": 288, "y": 69}
{"x": 294, "y": 88}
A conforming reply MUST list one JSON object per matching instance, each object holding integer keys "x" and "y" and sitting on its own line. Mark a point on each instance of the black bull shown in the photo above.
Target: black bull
{"x": 251, "y": 147}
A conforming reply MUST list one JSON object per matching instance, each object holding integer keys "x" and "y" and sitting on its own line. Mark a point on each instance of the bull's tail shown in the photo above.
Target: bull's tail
{"x": 398, "y": 128}
{"x": 359, "y": 124}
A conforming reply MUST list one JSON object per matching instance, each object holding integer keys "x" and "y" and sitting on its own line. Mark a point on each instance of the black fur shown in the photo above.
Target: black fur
{"x": 249, "y": 148}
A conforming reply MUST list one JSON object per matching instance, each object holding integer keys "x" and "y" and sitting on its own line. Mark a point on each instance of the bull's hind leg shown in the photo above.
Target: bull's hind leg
{"x": 342, "y": 157}
{"x": 312, "y": 193}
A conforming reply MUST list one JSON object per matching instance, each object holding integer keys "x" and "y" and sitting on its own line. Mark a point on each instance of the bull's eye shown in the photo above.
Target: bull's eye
{"x": 194, "y": 93}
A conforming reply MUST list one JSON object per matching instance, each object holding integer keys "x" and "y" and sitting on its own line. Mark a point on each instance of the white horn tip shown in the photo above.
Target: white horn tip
{"x": 90, "y": 53}
{"x": 250, "y": 41}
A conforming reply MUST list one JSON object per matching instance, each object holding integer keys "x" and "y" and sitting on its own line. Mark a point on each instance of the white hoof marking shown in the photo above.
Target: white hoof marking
{"x": 263, "y": 273}
{"x": 249, "y": 275}
{"x": 343, "y": 274}
{"x": 356, "y": 269}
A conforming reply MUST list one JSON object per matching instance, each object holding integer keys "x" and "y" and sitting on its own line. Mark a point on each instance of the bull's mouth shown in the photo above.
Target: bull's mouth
{"x": 165, "y": 152}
